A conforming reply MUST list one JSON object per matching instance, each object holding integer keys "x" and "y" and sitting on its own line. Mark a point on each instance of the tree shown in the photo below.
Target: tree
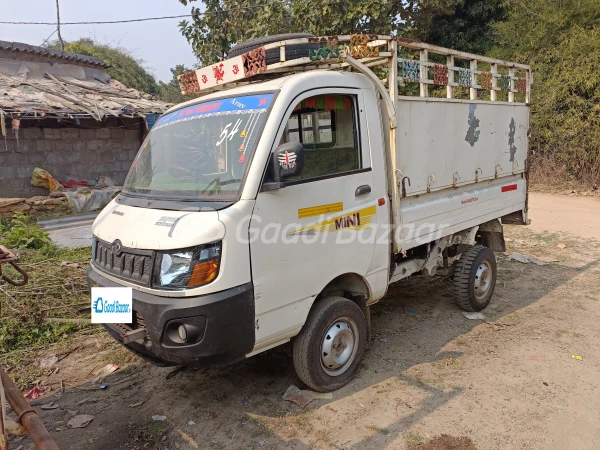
{"x": 171, "y": 92}
{"x": 468, "y": 27}
{"x": 223, "y": 23}
{"x": 124, "y": 67}
{"x": 560, "y": 39}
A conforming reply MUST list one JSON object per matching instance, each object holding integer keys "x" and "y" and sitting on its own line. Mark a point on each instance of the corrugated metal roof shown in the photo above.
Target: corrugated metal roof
{"x": 19, "y": 47}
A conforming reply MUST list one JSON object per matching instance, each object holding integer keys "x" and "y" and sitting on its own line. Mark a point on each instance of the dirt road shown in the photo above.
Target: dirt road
{"x": 579, "y": 216}
{"x": 508, "y": 382}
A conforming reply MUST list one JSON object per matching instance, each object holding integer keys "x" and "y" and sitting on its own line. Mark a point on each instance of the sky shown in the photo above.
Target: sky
{"x": 159, "y": 43}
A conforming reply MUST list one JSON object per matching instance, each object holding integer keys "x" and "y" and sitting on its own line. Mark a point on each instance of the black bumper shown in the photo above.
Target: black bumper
{"x": 220, "y": 325}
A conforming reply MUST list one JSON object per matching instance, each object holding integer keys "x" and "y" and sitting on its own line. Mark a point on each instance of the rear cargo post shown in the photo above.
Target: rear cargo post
{"x": 394, "y": 174}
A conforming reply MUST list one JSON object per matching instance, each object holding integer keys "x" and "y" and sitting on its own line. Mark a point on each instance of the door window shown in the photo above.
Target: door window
{"x": 327, "y": 127}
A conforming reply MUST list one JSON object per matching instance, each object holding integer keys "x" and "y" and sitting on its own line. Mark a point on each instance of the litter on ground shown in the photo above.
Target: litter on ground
{"x": 80, "y": 421}
{"x": 473, "y": 315}
{"x": 298, "y": 396}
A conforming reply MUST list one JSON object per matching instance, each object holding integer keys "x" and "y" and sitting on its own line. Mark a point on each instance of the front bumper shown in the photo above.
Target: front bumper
{"x": 221, "y": 325}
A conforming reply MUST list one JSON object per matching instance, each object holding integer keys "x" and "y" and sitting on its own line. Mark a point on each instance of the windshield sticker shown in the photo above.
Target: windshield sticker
{"x": 226, "y": 134}
{"x": 251, "y": 124}
{"x": 246, "y": 104}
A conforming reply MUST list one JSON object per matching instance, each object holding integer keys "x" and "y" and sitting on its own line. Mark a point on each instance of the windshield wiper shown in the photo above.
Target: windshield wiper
{"x": 218, "y": 185}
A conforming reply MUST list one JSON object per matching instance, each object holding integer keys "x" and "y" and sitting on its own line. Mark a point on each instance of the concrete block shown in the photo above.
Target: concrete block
{"x": 96, "y": 144}
{"x": 80, "y": 145}
{"x": 117, "y": 133}
{"x": 123, "y": 156}
{"x": 55, "y": 158}
{"x": 6, "y": 173}
{"x": 103, "y": 133}
{"x": 36, "y": 158}
{"x": 70, "y": 134}
{"x": 32, "y": 133}
{"x": 52, "y": 133}
{"x": 73, "y": 157}
{"x": 25, "y": 171}
{"x": 44, "y": 145}
{"x": 14, "y": 159}
{"x": 63, "y": 146}
{"x": 24, "y": 146}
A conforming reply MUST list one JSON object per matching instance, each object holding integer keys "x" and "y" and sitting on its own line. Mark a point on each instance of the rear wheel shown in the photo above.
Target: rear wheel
{"x": 329, "y": 348}
{"x": 475, "y": 278}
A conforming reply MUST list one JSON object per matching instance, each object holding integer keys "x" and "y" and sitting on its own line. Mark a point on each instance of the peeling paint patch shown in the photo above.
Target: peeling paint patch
{"x": 472, "y": 133}
{"x": 511, "y": 139}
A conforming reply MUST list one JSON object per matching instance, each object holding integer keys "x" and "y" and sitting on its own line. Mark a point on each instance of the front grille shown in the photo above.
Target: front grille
{"x": 130, "y": 264}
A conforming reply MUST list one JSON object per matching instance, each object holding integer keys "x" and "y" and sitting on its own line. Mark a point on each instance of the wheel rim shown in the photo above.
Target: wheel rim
{"x": 483, "y": 279}
{"x": 339, "y": 346}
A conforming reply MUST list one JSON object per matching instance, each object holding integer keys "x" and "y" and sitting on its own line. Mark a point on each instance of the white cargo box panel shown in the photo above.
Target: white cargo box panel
{"x": 445, "y": 143}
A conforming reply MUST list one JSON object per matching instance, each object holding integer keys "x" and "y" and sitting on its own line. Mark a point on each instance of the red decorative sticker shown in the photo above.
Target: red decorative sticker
{"x": 510, "y": 187}
{"x": 262, "y": 101}
{"x": 235, "y": 69}
{"x": 204, "y": 79}
{"x": 219, "y": 72}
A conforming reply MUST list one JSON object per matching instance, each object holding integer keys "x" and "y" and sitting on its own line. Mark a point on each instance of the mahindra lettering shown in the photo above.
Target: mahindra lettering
{"x": 280, "y": 204}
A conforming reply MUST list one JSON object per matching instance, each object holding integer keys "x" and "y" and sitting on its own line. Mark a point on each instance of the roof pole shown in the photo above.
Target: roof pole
{"x": 62, "y": 44}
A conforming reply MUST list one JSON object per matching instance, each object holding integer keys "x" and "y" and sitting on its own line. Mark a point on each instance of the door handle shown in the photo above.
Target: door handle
{"x": 362, "y": 190}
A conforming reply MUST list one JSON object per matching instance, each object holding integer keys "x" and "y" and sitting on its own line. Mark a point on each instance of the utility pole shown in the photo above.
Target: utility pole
{"x": 62, "y": 44}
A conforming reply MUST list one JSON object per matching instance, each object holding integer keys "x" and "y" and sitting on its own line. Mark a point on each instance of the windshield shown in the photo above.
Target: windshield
{"x": 200, "y": 152}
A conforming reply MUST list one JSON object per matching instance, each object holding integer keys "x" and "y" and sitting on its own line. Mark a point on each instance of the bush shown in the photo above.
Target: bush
{"x": 560, "y": 39}
{"x": 24, "y": 233}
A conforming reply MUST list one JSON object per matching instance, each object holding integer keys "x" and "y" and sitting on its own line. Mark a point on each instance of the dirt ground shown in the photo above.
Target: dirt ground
{"x": 430, "y": 380}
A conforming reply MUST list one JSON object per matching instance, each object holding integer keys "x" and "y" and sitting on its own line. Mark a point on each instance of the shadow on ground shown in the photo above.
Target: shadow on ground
{"x": 240, "y": 406}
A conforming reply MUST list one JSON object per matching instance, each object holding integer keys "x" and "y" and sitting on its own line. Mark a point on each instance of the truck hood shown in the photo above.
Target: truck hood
{"x": 155, "y": 229}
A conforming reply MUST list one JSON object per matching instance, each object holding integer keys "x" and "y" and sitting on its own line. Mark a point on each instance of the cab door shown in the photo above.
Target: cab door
{"x": 319, "y": 225}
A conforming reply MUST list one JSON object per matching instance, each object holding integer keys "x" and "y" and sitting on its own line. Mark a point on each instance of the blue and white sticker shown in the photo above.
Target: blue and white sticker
{"x": 112, "y": 305}
{"x": 245, "y": 103}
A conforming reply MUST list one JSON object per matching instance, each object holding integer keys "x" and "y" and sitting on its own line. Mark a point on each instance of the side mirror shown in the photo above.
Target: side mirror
{"x": 288, "y": 161}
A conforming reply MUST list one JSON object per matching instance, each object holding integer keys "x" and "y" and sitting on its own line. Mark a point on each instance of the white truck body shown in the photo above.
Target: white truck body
{"x": 421, "y": 175}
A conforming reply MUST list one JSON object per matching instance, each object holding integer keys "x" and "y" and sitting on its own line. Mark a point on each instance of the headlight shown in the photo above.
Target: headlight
{"x": 188, "y": 268}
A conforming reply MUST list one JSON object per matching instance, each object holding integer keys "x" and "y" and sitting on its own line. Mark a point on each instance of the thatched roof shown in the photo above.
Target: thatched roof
{"x": 41, "y": 82}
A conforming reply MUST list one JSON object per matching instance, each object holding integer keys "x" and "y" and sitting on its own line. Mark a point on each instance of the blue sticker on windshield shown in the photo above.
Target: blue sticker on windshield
{"x": 249, "y": 103}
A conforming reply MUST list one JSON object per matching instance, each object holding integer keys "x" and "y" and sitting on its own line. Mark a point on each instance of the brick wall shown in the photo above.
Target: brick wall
{"x": 67, "y": 153}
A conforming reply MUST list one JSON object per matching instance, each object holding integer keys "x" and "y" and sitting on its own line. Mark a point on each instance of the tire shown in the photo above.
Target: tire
{"x": 475, "y": 278}
{"x": 291, "y": 51}
{"x": 332, "y": 321}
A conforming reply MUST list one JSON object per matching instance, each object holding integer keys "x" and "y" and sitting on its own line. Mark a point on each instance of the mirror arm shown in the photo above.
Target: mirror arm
{"x": 272, "y": 186}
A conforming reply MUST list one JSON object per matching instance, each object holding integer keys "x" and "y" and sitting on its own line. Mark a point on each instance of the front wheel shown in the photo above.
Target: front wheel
{"x": 475, "y": 278}
{"x": 329, "y": 348}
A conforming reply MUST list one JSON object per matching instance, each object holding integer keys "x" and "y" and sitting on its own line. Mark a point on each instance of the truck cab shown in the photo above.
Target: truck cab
{"x": 264, "y": 213}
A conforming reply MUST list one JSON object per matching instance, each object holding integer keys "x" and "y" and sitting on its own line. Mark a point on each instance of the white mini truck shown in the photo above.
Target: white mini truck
{"x": 280, "y": 204}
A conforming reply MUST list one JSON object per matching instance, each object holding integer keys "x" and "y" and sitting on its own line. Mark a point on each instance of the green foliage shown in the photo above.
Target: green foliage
{"x": 53, "y": 289}
{"x": 561, "y": 40}
{"x": 224, "y": 24}
{"x": 23, "y": 232}
{"x": 171, "y": 92}
{"x": 124, "y": 66}
{"x": 468, "y": 27}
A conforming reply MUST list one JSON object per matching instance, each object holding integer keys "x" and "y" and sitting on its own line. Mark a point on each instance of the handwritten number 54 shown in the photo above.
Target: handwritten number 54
{"x": 226, "y": 134}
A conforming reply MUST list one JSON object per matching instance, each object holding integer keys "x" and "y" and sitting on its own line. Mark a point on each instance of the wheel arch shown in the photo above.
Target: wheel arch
{"x": 352, "y": 286}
